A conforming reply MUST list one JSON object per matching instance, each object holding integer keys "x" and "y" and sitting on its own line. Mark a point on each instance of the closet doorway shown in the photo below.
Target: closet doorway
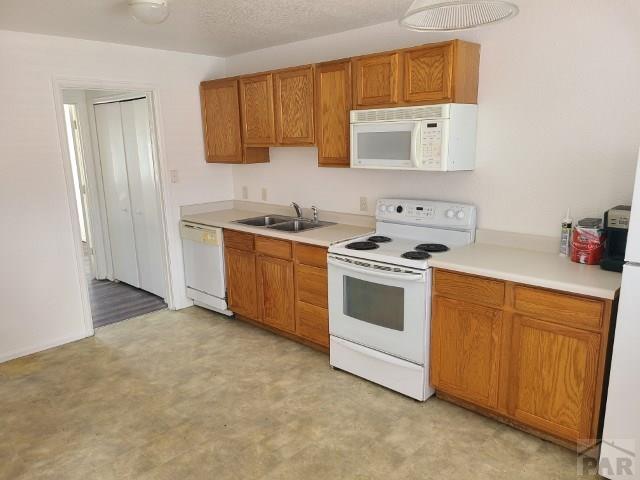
{"x": 110, "y": 135}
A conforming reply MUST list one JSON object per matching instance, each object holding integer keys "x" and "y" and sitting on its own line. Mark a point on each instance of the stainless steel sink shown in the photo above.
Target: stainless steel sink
{"x": 264, "y": 221}
{"x": 299, "y": 225}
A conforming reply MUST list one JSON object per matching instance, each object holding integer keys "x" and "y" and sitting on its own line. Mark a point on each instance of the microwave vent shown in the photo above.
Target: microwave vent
{"x": 402, "y": 113}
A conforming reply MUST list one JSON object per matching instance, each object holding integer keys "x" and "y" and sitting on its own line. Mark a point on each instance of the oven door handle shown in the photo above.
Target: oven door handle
{"x": 375, "y": 273}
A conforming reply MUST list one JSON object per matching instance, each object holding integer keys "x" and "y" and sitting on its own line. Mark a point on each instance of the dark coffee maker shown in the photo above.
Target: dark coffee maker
{"x": 616, "y": 226}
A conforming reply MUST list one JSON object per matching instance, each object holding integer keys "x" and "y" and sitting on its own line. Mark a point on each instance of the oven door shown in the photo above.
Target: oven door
{"x": 386, "y": 145}
{"x": 372, "y": 305}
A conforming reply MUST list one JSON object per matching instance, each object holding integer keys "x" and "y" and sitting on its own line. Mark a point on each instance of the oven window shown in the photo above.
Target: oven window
{"x": 384, "y": 145}
{"x": 374, "y": 303}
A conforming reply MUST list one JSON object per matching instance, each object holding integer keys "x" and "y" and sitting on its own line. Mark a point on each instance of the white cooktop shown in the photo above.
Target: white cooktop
{"x": 412, "y": 222}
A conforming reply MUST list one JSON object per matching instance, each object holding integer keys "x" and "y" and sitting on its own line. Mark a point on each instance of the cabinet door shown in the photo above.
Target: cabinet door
{"x": 552, "y": 381}
{"x": 465, "y": 354}
{"x": 242, "y": 296}
{"x": 221, "y": 121}
{"x": 276, "y": 292}
{"x": 294, "y": 106}
{"x": 377, "y": 80}
{"x": 427, "y": 74}
{"x": 312, "y": 323}
{"x": 333, "y": 103}
{"x": 256, "y": 99}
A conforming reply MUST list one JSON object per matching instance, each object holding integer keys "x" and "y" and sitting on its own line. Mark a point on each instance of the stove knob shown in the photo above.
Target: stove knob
{"x": 399, "y": 209}
{"x": 449, "y": 213}
{"x": 460, "y": 215}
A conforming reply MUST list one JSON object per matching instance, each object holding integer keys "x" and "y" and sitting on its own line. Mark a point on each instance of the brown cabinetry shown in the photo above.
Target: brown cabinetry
{"x": 465, "y": 356}
{"x": 333, "y": 104}
{"x": 532, "y": 356}
{"x": 220, "y": 105}
{"x": 377, "y": 80}
{"x": 242, "y": 294}
{"x": 294, "y": 106}
{"x": 553, "y": 377}
{"x": 279, "y": 284}
{"x": 309, "y": 105}
{"x": 256, "y": 99}
{"x": 276, "y": 292}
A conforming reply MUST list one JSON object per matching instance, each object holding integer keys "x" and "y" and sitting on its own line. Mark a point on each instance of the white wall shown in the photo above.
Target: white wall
{"x": 558, "y": 119}
{"x": 39, "y": 291}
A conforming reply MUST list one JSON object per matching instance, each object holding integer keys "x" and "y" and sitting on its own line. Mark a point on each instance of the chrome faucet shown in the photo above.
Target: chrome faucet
{"x": 314, "y": 209}
{"x": 297, "y": 209}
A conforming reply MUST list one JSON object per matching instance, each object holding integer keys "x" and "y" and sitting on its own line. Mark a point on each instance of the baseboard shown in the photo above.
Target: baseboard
{"x": 5, "y": 357}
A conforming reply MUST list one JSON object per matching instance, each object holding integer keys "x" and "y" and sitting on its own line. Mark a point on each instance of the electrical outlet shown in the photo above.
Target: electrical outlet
{"x": 263, "y": 194}
{"x": 173, "y": 175}
{"x": 364, "y": 207}
{"x": 245, "y": 192}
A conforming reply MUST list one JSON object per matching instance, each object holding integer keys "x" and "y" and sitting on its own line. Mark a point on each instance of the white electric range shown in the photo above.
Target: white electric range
{"x": 380, "y": 291}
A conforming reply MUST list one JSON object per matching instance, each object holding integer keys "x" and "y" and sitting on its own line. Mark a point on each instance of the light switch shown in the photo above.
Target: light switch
{"x": 173, "y": 175}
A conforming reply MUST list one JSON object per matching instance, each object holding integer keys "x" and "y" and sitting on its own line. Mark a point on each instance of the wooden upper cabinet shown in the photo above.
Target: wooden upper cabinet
{"x": 221, "y": 121}
{"x": 377, "y": 80}
{"x": 427, "y": 74}
{"x": 553, "y": 375}
{"x": 333, "y": 104}
{"x": 276, "y": 292}
{"x": 465, "y": 357}
{"x": 256, "y": 99}
{"x": 294, "y": 106}
{"x": 443, "y": 72}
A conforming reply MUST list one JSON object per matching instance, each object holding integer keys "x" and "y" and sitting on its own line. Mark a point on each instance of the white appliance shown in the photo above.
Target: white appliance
{"x": 621, "y": 433}
{"x": 430, "y": 138}
{"x": 203, "y": 253}
{"x": 135, "y": 232}
{"x": 380, "y": 292}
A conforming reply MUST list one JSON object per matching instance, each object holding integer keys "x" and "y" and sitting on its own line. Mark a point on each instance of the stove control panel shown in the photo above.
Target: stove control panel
{"x": 426, "y": 212}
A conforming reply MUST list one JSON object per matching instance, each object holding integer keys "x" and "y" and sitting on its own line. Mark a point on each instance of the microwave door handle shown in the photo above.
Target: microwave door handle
{"x": 416, "y": 145}
{"x": 376, "y": 273}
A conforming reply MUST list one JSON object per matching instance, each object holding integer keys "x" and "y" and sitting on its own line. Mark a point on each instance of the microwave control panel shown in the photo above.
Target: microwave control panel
{"x": 432, "y": 132}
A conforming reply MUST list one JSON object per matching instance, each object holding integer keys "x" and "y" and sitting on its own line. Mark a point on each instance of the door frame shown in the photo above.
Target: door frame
{"x": 160, "y": 173}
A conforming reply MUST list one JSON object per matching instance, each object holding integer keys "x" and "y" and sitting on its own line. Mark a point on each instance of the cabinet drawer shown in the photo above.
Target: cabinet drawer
{"x": 558, "y": 307}
{"x": 472, "y": 289}
{"x": 311, "y": 255}
{"x": 273, "y": 247}
{"x": 239, "y": 240}
{"x": 311, "y": 285}
{"x": 312, "y": 323}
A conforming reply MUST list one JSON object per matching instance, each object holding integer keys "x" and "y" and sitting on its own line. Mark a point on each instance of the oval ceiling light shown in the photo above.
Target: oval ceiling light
{"x": 438, "y": 16}
{"x": 149, "y": 11}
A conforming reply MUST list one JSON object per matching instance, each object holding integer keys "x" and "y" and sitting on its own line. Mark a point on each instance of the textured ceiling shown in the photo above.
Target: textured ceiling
{"x": 212, "y": 27}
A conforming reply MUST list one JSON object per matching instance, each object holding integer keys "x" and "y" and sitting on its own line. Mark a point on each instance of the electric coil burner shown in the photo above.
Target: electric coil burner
{"x": 432, "y": 247}
{"x": 415, "y": 255}
{"x": 365, "y": 245}
{"x": 379, "y": 239}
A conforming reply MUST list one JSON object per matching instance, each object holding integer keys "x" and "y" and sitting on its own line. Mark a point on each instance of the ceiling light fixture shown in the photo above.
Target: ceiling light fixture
{"x": 438, "y": 16}
{"x": 149, "y": 11}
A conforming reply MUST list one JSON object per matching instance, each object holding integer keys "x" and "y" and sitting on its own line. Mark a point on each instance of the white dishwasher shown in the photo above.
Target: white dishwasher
{"x": 203, "y": 254}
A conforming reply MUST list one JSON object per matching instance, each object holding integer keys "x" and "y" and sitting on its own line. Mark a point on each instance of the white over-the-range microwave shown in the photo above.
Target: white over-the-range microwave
{"x": 438, "y": 138}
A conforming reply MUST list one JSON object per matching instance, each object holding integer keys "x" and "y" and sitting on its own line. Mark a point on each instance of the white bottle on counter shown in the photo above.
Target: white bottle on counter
{"x": 565, "y": 234}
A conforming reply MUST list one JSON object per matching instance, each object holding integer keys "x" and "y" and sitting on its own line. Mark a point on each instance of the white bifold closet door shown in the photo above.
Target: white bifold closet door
{"x": 133, "y": 216}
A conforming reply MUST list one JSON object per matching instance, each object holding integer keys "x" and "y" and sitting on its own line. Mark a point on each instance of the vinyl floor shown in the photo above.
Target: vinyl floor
{"x": 113, "y": 302}
{"x": 192, "y": 395}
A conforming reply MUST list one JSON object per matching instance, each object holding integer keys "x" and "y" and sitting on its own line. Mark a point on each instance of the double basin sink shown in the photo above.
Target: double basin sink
{"x": 283, "y": 223}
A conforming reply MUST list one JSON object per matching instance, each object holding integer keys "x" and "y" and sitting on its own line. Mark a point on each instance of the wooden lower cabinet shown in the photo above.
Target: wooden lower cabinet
{"x": 535, "y": 358}
{"x": 553, "y": 377}
{"x": 465, "y": 358}
{"x": 242, "y": 296}
{"x": 276, "y": 292}
{"x": 279, "y": 284}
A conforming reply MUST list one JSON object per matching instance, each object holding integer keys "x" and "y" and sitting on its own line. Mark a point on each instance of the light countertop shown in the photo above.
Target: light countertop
{"x": 323, "y": 236}
{"x": 546, "y": 270}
